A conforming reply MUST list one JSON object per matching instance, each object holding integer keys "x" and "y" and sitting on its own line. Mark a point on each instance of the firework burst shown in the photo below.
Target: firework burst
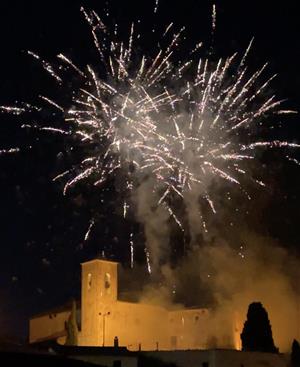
{"x": 185, "y": 124}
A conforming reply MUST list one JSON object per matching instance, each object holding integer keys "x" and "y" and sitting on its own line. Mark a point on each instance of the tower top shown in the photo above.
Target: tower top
{"x": 100, "y": 261}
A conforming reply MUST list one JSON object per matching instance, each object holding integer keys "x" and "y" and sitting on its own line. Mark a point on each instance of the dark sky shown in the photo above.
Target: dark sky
{"x": 41, "y": 231}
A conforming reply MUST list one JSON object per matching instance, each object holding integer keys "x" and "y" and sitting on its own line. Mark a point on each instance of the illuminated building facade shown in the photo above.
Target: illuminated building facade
{"x": 138, "y": 326}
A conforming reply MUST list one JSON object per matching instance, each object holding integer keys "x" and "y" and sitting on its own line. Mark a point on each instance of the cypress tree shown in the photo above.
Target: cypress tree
{"x": 257, "y": 333}
{"x": 71, "y": 327}
{"x": 295, "y": 355}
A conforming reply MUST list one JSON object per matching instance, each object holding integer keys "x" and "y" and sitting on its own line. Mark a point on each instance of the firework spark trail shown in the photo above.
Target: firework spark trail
{"x": 156, "y": 6}
{"x": 183, "y": 137}
{"x": 148, "y": 260}
{"x": 61, "y": 175}
{"x": 69, "y": 62}
{"x": 88, "y": 232}
{"x": 293, "y": 160}
{"x": 9, "y": 151}
{"x": 131, "y": 251}
{"x": 52, "y": 103}
{"x": 48, "y": 67}
{"x": 12, "y": 110}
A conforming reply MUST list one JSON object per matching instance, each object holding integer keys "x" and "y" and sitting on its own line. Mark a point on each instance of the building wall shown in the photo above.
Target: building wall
{"x": 221, "y": 358}
{"x": 189, "y": 329}
{"x": 107, "y": 360}
{"x": 149, "y": 327}
{"x": 136, "y": 325}
{"x": 48, "y": 326}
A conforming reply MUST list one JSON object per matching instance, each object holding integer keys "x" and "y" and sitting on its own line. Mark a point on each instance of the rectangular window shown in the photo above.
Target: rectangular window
{"x": 89, "y": 281}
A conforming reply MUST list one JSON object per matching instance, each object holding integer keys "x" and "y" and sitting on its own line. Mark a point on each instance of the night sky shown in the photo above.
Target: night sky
{"x": 41, "y": 231}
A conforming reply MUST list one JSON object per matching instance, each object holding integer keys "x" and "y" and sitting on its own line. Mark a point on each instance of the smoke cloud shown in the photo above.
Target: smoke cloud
{"x": 155, "y": 221}
{"x": 226, "y": 279}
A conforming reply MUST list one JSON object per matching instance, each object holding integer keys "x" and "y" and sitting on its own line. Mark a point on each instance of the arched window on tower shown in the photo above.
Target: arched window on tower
{"x": 107, "y": 283}
{"x": 89, "y": 281}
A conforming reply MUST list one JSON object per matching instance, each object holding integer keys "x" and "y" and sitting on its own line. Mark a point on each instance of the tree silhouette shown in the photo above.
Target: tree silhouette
{"x": 295, "y": 355}
{"x": 71, "y": 327}
{"x": 257, "y": 332}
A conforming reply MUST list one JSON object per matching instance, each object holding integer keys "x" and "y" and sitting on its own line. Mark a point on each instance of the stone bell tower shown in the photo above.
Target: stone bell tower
{"x": 99, "y": 290}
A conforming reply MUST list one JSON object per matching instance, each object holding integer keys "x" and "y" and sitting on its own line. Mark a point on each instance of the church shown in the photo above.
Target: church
{"x": 103, "y": 319}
